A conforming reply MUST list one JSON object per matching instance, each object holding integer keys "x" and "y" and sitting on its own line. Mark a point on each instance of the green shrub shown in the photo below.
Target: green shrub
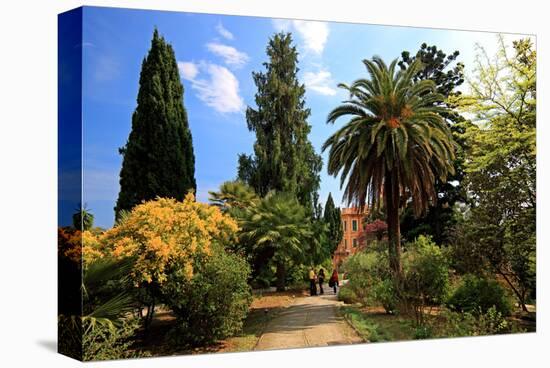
{"x": 297, "y": 276}
{"x": 365, "y": 271}
{"x": 213, "y": 304}
{"x": 457, "y": 324}
{"x": 384, "y": 292}
{"x": 425, "y": 276}
{"x": 110, "y": 341}
{"x": 476, "y": 294}
{"x": 423, "y": 332}
{"x": 346, "y": 295}
{"x": 264, "y": 278}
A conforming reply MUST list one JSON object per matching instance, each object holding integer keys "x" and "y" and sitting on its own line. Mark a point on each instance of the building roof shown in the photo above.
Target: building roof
{"x": 354, "y": 211}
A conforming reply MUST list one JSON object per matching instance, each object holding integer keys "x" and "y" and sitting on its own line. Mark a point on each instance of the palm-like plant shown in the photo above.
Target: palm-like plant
{"x": 394, "y": 145}
{"x": 83, "y": 219}
{"x": 279, "y": 222}
{"x": 100, "y": 310}
{"x": 234, "y": 195}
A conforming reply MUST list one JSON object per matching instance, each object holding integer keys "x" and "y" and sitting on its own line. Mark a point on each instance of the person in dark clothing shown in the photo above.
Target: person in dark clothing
{"x": 321, "y": 278}
{"x": 333, "y": 282}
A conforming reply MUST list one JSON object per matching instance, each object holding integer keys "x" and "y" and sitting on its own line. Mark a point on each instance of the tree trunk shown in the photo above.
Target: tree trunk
{"x": 281, "y": 275}
{"x": 391, "y": 196}
{"x": 520, "y": 296}
{"x": 149, "y": 315}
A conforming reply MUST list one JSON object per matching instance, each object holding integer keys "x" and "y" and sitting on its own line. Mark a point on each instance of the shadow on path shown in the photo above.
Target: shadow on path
{"x": 310, "y": 321}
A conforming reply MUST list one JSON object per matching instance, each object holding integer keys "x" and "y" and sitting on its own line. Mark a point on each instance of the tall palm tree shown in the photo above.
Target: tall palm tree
{"x": 394, "y": 145}
{"x": 280, "y": 223}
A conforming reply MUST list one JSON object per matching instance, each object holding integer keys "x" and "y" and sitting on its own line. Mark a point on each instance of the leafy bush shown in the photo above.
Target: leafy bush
{"x": 425, "y": 276}
{"x": 457, "y": 324}
{"x": 213, "y": 303}
{"x": 346, "y": 295}
{"x": 384, "y": 292}
{"x": 165, "y": 234}
{"x": 297, "y": 276}
{"x": 108, "y": 341}
{"x": 475, "y": 294}
{"x": 365, "y": 271}
{"x": 423, "y": 332}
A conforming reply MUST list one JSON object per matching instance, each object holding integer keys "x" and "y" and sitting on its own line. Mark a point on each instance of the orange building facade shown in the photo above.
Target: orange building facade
{"x": 354, "y": 238}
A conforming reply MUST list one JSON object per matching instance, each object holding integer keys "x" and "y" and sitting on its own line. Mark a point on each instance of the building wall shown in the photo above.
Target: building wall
{"x": 353, "y": 238}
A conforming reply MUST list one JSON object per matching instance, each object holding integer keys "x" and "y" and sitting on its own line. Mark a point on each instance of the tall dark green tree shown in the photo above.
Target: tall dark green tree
{"x": 284, "y": 159}
{"x": 158, "y": 158}
{"x": 447, "y": 74}
{"x": 333, "y": 220}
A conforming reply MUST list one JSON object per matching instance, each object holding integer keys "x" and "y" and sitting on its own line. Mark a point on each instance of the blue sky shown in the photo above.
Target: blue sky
{"x": 216, "y": 55}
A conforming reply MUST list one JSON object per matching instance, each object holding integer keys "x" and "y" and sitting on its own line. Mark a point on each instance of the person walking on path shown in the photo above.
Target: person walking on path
{"x": 333, "y": 282}
{"x": 321, "y": 280}
{"x": 312, "y": 285}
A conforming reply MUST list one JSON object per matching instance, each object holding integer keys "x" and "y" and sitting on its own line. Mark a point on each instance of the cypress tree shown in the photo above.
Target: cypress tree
{"x": 284, "y": 159}
{"x": 158, "y": 158}
{"x": 334, "y": 223}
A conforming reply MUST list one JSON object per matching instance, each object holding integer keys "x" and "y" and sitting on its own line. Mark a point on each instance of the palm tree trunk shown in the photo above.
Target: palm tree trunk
{"x": 281, "y": 276}
{"x": 391, "y": 196}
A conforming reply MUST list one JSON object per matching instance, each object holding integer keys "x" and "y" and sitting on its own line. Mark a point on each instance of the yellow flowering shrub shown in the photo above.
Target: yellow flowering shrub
{"x": 69, "y": 244}
{"x": 82, "y": 247}
{"x": 166, "y": 232}
{"x": 92, "y": 248}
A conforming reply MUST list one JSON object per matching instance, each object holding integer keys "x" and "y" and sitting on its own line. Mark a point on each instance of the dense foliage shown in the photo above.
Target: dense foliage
{"x": 166, "y": 233}
{"x": 158, "y": 158}
{"x": 165, "y": 236}
{"x": 109, "y": 342}
{"x": 499, "y": 231}
{"x": 426, "y": 277}
{"x": 396, "y": 142}
{"x": 447, "y": 74}
{"x": 213, "y": 303}
{"x": 284, "y": 159}
{"x": 279, "y": 225}
{"x": 332, "y": 217}
{"x": 475, "y": 294}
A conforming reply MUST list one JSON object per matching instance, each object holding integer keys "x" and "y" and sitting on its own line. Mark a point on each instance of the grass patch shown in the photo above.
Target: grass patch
{"x": 376, "y": 326}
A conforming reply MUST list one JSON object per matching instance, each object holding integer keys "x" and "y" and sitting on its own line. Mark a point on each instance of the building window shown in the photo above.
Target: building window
{"x": 345, "y": 226}
{"x": 354, "y": 225}
{"x": 345, "y": 243}
{"x": 354, "y": 242}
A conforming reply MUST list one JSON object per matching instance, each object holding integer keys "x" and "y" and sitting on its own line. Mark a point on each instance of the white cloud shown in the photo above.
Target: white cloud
{"x": 224, "y": 32}
{"x": 220, "y": 90}
{"x": 230, "y": 55}
{"x": 188, "y": 70}
{"x": 320, "y": 82}
{"x": 106, "y": 69}
{"x": 313, "y": 34}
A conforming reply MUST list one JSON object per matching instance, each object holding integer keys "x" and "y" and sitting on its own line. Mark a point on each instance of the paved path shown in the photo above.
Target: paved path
{"x": 310, "y": 321}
